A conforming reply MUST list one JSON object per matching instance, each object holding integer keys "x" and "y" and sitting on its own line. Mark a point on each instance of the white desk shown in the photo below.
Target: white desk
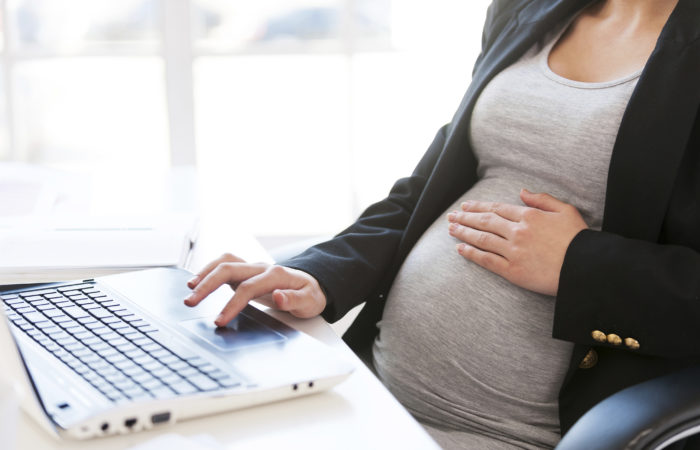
{"x": 357, "y": 414}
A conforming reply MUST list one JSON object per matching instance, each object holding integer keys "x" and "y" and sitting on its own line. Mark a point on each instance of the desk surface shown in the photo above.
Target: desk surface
{"x": 358, "y": 413}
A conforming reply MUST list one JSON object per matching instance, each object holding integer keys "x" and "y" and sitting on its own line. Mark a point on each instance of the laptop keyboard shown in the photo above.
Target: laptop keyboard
{"x": 111, "y": 347}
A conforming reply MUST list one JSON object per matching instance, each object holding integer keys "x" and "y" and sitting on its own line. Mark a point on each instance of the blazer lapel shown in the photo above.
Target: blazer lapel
{"x": 655, "y": 130}
{"x": 530, "y": 24}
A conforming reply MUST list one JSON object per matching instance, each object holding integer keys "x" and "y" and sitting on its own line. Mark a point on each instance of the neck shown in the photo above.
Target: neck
{"x": 638, "y": 10}
{"x": 634, "y": 16}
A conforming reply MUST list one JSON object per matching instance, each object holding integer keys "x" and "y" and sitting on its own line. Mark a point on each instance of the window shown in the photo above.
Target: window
{"x": 297, "y": 113}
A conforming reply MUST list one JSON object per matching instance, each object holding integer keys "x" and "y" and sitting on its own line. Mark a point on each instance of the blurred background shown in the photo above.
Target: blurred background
{"x": 294, "y": 114}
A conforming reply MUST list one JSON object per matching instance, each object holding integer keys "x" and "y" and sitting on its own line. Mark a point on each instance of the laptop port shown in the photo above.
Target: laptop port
{"x": 295, "y": 387}
{"x": 130, "y": 422}
{"x": 311, "y": 384}
{"x": 105, "y": 426}
{"x": 160, "y": 418}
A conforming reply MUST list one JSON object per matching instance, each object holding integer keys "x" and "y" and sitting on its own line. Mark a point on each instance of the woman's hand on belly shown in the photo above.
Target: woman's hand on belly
{"x": 523, "y": 244}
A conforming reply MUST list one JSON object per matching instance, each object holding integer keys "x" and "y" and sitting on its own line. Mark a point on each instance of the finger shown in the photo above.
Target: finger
{"x": 489, "y": 261}
{"x": 232, "y": 272}
{"x": 505, "y": 210}
{"x": 256, "y": 286}
{"x": 480, "y": 239}
{"x": 226, "y": 257}
{"x": 493, "y": 223}
{"x": 542, "y": 201}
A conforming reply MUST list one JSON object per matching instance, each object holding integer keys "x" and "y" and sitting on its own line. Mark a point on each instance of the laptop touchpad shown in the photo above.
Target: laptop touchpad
{"x": 242, "y": 331}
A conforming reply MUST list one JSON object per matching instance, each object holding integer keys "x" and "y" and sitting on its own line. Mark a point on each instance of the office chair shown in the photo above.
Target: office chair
{"x": 650, "y": 415}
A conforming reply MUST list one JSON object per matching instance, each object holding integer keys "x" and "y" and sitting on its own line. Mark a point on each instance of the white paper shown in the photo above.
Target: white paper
{"x": 60, "y": 248}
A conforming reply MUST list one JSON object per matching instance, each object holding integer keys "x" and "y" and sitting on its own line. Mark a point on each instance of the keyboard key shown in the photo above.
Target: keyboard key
{"x": 37, "y": 292}
{"x": 102, "y": 331}
{"x": 203, "y": 383}
{"x": 153, "y": 366}
{"x": 162, "y": 392}
{"x": 53, "y": 312}
{"x": 40, "y": 302}
{"x": 125, "y": 365}
{"x": 152, "y": 384}
{"x": 143, "y": 377}
{"x": 75, "y": 287}
{"x": 133, "y": 371}
{"x": 144, "y": 359}
{"x": 115, "y": 358}
{"x": 92, "y": 341}
{"x": 87, "y": 320}
{"x": 229, "y": 382}
{"x": 100, "y": 313}
{"x": 187, "y": 372}
{"x": 183, "y": 388}
{"x": 70, "y": 293}
{"x": 66, "y": 341}
{"x": 35, "y": 317}
{"x": 134, "y": 321}
{"x": 82, "y": 334}
{"x": 163, "y": 373}
{"x": 34, "y": 298}
{"x": 66, "y": 324}
{"x": 135, "y": 392}
{"x": 128, "y": 332}
{"x": 93, "y": 325}
{"x": 117, "y": 325}
{"x": 73, "y": 347}
{"x": 76, "y": 312}
{"x": 18, "y": 304}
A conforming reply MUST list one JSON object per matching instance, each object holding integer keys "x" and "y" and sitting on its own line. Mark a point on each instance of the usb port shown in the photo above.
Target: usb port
{"x": 160, "y": 418}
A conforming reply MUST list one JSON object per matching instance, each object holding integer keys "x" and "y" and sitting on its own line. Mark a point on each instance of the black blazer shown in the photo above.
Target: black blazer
{"x": 637, "y": 278}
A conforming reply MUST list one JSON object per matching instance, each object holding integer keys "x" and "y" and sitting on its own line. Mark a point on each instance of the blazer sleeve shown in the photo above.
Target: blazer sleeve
{"x": 631, "y": 288}
{"x": 351, "y": 265}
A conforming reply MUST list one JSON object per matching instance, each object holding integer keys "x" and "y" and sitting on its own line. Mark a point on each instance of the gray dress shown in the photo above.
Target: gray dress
{"x": 468, "y": 353}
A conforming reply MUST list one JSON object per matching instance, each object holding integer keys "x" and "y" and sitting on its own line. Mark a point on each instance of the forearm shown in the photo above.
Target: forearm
{"x": 632, "y": 289}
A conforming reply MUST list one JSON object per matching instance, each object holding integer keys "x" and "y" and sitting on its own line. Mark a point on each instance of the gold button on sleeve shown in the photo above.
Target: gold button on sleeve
{"x": 614, "y": 339}
{"x": 590, "y": 360}
{"x": 632, "y": 343}
{"x": 598, "y": 336}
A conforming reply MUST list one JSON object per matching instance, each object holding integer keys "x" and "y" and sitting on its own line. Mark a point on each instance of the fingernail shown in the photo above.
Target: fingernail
{"x": 193, "y": 280}
{"x": 466, "y": 205}
{"x": 219, "y": 321}
{"x": 452, "y": 216}
{"x": 189, "y": 298}
{"x": 283, "y": 300}
{"x": 453, "y": 227}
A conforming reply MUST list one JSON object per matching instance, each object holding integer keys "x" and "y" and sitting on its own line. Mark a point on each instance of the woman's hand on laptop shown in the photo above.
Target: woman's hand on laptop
{"x": 275, "y": 286}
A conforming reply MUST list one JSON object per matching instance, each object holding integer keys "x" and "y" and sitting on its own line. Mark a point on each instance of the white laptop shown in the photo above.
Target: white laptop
{"x": 122, "y": 353}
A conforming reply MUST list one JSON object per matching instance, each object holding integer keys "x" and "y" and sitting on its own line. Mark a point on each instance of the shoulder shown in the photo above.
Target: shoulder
{"x": 498, "y": 15}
